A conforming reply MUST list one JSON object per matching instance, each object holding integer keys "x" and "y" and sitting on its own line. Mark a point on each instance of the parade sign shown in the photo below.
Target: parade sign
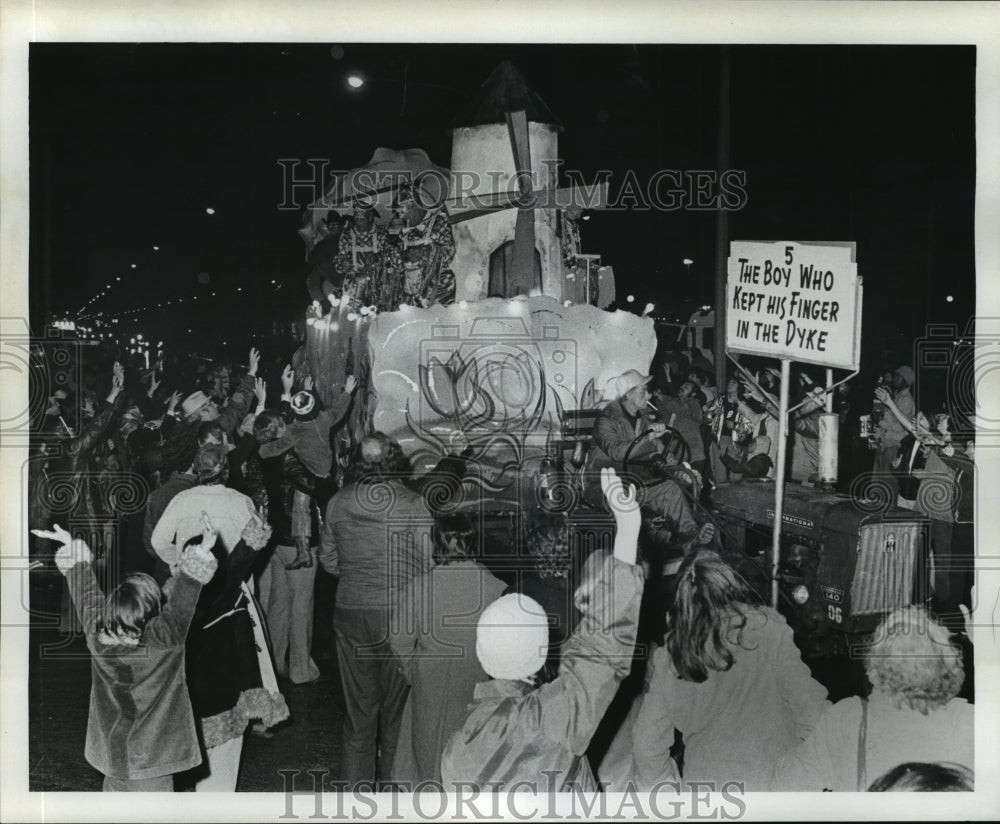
{"x": 794, "y": 300}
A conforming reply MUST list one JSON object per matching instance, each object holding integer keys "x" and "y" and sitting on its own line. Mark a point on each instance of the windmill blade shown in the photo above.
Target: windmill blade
{"x": 473, "y": 213}
{"x": 522, "y": 278}
{"x": 347, "y": 200}
{"x": 486, "y": 200}
{"x": 573, "y": 197}
{"x": 517, "y": 128}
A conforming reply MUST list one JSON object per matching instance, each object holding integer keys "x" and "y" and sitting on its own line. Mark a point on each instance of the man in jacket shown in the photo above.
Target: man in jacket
{"x": 617, "y": 426}
{"x": 376, "y": 539}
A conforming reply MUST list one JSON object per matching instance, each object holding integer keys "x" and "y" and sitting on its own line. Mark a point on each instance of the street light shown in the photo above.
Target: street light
{"x": 355, "y": 81}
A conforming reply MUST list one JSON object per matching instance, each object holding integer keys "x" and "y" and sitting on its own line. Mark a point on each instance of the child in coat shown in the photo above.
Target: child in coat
{"x": 140, "y": 729}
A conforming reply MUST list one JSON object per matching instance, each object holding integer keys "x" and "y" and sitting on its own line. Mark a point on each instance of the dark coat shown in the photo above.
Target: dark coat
{"x": 223, "y": 667}
{"x": 284, "y": 475}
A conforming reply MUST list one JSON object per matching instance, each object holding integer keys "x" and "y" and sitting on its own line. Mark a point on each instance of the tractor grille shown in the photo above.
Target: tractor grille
{"x": 888, "y": 554}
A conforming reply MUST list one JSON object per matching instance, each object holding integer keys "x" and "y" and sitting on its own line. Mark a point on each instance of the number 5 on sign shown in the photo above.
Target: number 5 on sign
{"x": 835, "y": 613}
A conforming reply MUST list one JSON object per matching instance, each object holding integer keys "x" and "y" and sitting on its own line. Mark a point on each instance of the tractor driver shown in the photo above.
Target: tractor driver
{"x": 663, "y": 502}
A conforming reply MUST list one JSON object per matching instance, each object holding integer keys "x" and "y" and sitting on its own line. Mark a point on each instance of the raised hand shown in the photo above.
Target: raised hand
{"x": 209, "y": 533}
{"x": 172, "y": 401}
{"x": 287, "y": 378}
{"x": 72, "y": 550}
{"x": 117, "y": 380}
{"x": 56, "y": 534}
{"x": 628, "y": 518}
{"x": 198, "y": 561}
{"x": 254, "y": 362}
{"x": 350, "y": 384}
{"x": 260, "y": 391}
{"x": 256, "y": 531}
{"x": 153, "y": 383}
{"x": 307, "y": 382}
{"x": 705, "y": 535}
{"x": 621, "y": 500}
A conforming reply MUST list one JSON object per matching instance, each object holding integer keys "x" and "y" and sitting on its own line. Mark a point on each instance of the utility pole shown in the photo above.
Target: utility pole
{"x": 722, "y": 224}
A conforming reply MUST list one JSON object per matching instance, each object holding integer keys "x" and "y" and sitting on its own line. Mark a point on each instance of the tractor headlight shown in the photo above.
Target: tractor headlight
{"x": 800, "y": 594}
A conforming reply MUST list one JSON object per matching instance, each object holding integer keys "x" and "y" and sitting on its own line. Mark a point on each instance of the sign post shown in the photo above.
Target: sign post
{"x": 796, "y": 301}
{"x": 779, "y": 479}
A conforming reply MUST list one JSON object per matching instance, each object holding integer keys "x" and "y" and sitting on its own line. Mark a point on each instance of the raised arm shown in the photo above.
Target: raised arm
{"x": 73, "y": 560}
{"x": 233, "y": 413}
{"x": 197, "y": 566}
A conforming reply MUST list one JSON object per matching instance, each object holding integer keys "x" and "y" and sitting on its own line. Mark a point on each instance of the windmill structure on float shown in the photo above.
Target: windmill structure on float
{"x": 504, "y": 201}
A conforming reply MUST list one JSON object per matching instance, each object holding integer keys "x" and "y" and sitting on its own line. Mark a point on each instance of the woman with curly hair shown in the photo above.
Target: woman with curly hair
{"x": 729, "y": 678}
{"x": 913, "y": 713}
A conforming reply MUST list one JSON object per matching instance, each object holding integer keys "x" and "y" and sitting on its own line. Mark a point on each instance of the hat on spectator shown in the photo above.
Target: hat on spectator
{"x": 194, "y": 402}
{"x": 512, "y": 637}
{"x": 304, "y": 405}
{"x": 303, "y": 402}
{"x": 625, "y": 383}
{"x": 906, "y": 373}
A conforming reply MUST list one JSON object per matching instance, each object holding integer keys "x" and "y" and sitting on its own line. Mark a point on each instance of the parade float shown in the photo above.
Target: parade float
{"x": 524, "y": 336}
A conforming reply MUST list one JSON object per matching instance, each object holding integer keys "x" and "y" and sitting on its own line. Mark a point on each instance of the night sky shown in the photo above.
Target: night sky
{"x": 130, "y": 143}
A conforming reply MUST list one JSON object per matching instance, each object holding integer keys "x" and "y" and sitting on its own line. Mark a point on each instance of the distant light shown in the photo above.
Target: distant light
{"x": 310, "y": 321}
{"x": 586, "y": 217}
{"x": 336, "y": 52}
{"x": 139, "y": 337}
{"x": 630, "y": 298}
{"x": 950, "y": 299}
{"x": 133, "y": 266}
{"x": 117, "y": 278}
{"x": 688, "y": 261}
{"x": 334, "y": 326}
{"x": 156, "y": 248}
{"x": 355, "y": 81}
{"x": 273, "y": 281}
{"x": 351, "y": 316}
{"x": 649, "y": 308}
{"x": 239, "y": 288}
{"x": 210, "y": 211}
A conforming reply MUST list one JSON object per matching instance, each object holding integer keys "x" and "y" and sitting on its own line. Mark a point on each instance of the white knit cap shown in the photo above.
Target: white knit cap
{"x": 512, "y": 637}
